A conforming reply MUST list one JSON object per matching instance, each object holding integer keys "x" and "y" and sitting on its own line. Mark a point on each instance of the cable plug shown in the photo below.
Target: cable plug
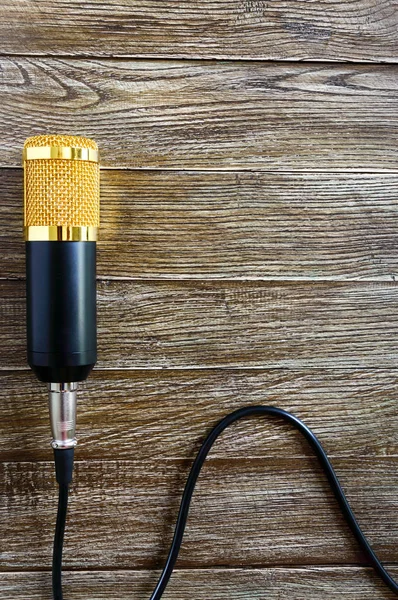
{"x": 64, "y": 465}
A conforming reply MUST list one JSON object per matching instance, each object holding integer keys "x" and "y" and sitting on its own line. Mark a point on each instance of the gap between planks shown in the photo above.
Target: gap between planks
{"x": 209, "y": 60}
{"x": 239, "y": 169}
{"x": 16, "y": 369}
{"x": 219, "y": 279}
{"x": 274, "y": 172}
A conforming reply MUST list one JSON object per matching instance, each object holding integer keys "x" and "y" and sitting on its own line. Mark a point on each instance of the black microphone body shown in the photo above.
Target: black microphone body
{"x": 61, "y": 309}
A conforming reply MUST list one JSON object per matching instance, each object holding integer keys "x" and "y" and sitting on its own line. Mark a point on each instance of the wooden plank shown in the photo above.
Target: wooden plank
{"x": 360, "y": 30}
{"x": 171, "y": 324}
{"x": 192, "y": 115}
{"x": 224, "y": 225}
{"x": 246, "y": 512}
{"x": 309, "y": 583}
{"x": 161, "y": 415}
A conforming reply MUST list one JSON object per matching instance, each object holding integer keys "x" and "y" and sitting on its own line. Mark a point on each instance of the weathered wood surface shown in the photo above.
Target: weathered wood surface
{"x": 360, "y": 30}
{"x": 194, "y": 115}
{"x": 231, "y": 225}
{"x": 309, "y": 583}
{"x": 219, "y": 173}
{"x": 245, "y": 512}
{"x": 164, "y": 415}
{"x": 172, "y": 324}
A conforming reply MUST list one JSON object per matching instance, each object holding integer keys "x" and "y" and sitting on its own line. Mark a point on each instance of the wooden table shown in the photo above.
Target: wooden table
{"x": 248, "y": 255}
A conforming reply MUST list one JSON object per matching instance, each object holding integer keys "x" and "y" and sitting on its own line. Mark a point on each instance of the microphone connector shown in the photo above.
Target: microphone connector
{"x": 62, "y": 400}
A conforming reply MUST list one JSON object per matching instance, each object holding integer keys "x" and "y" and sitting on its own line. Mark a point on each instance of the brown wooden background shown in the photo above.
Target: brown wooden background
{"x": 248, "y": 255}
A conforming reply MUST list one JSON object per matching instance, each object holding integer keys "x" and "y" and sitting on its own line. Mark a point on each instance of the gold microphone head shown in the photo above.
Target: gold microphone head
{"x": 61, "y": 183}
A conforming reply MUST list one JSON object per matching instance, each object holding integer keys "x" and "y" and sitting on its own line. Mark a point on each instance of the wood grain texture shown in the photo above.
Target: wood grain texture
{"x": 309, "y": 583}
{"x": 194, "y": 115}
{"x": 248, "y": 255}
{"x": 231, "y": 225}
{"x": 359, "y": 30}
{"x": 246, "y": 512}
{"x": 171, "y": 324}
{"x": 164, "y": 415}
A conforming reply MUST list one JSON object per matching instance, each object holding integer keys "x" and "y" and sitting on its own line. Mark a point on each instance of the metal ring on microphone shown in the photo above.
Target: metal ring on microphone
{"x": 60, "y": 152}
{"x": 60, "y": 233}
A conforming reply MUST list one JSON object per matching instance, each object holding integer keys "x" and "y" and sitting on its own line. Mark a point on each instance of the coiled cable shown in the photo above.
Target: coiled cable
{"x": 190, "y": 486}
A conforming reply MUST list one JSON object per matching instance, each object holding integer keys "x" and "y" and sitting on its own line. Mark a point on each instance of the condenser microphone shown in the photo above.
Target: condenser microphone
{"x": 61, "y": 220}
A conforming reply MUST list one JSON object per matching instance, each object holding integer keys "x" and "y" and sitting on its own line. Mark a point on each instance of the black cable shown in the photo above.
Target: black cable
{"x": 59, "y": 541}
{"x": 63, "y": 460}
{"x": 193, "y": 477}
{"x": 325, "y": 463}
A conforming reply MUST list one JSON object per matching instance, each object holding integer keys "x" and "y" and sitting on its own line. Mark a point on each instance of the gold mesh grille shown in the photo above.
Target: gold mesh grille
{"x": 61, "y": 192}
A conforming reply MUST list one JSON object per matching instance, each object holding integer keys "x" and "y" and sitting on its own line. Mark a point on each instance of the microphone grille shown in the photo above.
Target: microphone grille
{"x": 61, "y": 181}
